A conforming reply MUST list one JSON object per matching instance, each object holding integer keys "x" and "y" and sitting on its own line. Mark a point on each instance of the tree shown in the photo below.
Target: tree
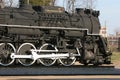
{"x": 89, "y": 4}
{"x": 8, "y": 2}
{"x": 11, "y": 2}
{"x": 53, "y": 2}
{"x": 72, "y": 4}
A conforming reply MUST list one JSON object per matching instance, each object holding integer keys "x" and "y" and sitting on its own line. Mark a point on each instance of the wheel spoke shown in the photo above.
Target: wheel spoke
{"x": 68, "y": 61}
{"x": 24, "y": 49}
{"x": 5, "y": 52}
{"x": 47, "y": 61}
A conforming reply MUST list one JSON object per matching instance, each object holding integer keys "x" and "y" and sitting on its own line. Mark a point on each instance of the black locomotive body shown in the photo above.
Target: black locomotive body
{"x": 51, "y": 31}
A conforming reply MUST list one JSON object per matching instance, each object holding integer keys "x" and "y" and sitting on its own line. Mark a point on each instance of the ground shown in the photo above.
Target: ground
{"x": 116, "y": 59}
{"x": 78, "y": 77}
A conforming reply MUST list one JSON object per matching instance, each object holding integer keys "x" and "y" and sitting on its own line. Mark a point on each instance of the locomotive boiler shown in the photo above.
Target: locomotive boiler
{"x": 50, "y": 35}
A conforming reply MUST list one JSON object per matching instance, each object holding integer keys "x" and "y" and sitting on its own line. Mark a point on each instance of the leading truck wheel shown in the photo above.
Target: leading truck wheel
{"x": 5, "y": 54}
{"x": 25, "y": 49}
{"x": 46, "y": 50}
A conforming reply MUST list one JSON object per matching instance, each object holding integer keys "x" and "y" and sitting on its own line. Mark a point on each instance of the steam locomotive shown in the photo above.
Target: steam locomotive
{"x": 49, "y": 35}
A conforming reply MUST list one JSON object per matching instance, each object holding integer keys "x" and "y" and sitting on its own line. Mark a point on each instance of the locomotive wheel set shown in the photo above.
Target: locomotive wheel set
{"x": 49, "y": 36}
{"x": 47, "y": 60}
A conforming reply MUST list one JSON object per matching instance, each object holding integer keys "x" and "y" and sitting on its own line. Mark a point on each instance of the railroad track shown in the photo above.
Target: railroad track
{"x": 61, "y": 70}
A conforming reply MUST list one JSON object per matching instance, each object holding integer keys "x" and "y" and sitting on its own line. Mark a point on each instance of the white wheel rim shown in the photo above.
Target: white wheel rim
{"x": 69, "y": 64}
{"x": 54, "y": 60}
{"x": 14, "y": 51}
{"x": 18, "y": 52}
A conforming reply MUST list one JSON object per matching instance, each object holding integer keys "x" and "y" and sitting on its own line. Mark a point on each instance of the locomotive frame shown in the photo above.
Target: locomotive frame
{"x": 50, "y": 35}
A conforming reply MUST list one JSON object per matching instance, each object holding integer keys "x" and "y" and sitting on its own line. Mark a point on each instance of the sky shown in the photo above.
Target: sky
{"x": 109, "y": 13}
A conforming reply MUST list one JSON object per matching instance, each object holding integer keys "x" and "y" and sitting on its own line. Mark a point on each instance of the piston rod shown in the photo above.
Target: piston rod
{"x": 36, "y": 56}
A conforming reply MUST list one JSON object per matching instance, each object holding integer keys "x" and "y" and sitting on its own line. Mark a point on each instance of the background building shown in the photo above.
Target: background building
{"x": 103, "y": 31}
{"x": 114, "y": 41}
